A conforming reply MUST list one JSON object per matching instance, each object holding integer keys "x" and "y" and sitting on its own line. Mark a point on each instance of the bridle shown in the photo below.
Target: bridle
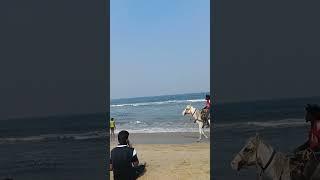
{"x": 263, "y": 168}
{"x": 189, "y": 109}
{"x": 260, "y": 164}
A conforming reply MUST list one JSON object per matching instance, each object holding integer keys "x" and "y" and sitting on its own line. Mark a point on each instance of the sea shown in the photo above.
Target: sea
{"x": 74, "y": 146}
{"x": 280, "y": 123}
{"x": 71, "y": 147}
{"x": 156, "y": 114}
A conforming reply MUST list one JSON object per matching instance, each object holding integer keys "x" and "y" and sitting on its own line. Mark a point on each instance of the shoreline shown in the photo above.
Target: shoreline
{"x": 164, "y": 138}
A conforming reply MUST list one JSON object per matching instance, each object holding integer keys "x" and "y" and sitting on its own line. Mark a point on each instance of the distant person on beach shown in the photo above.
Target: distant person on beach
{"x": 313, "y": 143}
{"x": 112, "y": 128}
{"x": 124, "y": 161}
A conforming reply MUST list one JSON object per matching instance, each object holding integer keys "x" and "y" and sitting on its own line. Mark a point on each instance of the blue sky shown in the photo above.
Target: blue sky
{"x": 159, "y": 47}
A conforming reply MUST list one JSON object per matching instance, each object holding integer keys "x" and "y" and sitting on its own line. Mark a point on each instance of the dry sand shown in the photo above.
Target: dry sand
{"x": 169, "y": 160}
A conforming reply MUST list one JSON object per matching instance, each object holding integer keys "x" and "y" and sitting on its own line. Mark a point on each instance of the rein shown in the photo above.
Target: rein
{"x": 263, "y": 168}
{"x": 269, "y": 162}
{"x": 195, "y": 110}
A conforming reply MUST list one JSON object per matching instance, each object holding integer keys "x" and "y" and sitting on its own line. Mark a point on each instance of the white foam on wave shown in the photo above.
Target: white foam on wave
{"x": 284, "y": 122}
{"x": 158, "y": 103}
{"x": 45, "y": 137}
{"x": 163, "y": 130}
{"x": 266, "y": 124}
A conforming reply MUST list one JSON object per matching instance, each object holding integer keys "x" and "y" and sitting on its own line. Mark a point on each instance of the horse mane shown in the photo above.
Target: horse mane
{"x": 258, "y": 140}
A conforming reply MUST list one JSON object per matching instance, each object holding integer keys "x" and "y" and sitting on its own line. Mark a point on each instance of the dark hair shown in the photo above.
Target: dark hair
{"x": 207, "y": 97}
{"x": 123, "y": 137}
{"x": 112, "y": 119}
{"x": 314, "y": 110}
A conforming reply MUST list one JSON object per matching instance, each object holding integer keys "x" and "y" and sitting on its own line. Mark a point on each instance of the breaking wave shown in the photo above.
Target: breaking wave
{"x": 51, "y": 137}
{"x": 159, "y": 103}
{"x": 266, "y": 124}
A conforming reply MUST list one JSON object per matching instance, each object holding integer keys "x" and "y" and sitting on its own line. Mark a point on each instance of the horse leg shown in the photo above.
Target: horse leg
{"x": 200, "y": 127}
{"x": 204, "y": 133}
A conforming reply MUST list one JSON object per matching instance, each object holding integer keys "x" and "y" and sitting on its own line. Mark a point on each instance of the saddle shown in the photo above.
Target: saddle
{"x": 205, "y": 115}
{"x": 303, "y": 164}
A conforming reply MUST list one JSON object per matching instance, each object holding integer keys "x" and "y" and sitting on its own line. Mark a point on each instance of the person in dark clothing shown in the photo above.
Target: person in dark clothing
{"x": 312, "y": 116}
{"x": 124, "y": 161}
{"x": 312, "y": 145}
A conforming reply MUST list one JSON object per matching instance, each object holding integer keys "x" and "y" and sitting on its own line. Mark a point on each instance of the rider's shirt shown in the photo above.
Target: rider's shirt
{"x": 314, "y": 135}
{"x": 208, "y": 104}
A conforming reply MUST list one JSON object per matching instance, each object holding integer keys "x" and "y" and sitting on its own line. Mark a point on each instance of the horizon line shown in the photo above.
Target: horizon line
{"x": 158, "y": 95}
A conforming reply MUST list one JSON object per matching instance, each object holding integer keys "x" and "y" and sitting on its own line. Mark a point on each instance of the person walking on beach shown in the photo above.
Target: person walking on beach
{"x": 112, "y": 128}
{"x": 124, "y": 161}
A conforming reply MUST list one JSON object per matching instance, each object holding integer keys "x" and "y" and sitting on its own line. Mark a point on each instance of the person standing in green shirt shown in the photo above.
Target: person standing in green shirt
{"x": 112, "y": 128}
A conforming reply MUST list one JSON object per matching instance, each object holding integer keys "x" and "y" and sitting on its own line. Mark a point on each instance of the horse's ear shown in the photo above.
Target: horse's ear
{"x": 257, "y": 135}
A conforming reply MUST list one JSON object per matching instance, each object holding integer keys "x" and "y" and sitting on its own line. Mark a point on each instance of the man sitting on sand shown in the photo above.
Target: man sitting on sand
{"x": 124, "y": 161}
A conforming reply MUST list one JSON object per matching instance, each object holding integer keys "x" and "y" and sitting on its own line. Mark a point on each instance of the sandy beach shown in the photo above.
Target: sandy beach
{"x": 172, "y": 156}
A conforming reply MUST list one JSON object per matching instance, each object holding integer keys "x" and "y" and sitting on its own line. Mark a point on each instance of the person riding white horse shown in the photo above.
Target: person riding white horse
{"x": 196, "y": 115}
{"x": 302, "y": 165}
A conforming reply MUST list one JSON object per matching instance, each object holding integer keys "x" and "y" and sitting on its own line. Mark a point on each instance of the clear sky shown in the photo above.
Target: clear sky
{"x": 159, "y": 47}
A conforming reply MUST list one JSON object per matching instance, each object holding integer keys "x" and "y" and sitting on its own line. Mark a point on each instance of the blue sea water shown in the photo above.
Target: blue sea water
{"x": 62, "y": 147}
{"x": 72, "y": 146}
{"x": 156, "y": 114}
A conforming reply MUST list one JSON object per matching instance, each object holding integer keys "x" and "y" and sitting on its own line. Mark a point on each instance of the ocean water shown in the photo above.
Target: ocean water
{"x": 64, "y": 147}
{"x": 156, "y": 114}
{"x": 279, "y": 122}
{"x": 74, "y": 147}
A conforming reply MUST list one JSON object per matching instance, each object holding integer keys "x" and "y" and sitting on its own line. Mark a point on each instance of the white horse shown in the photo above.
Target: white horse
{"x": 196, "y": 115}
{"x": 275, "y": 165}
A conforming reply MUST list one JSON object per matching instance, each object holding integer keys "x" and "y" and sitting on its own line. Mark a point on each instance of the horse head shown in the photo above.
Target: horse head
{"x": 247, "y": 155}
{"x": 187, "y": 110}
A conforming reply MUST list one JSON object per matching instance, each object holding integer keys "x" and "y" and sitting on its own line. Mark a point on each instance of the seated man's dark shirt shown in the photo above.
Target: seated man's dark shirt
{"x": 122, "y": 158}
